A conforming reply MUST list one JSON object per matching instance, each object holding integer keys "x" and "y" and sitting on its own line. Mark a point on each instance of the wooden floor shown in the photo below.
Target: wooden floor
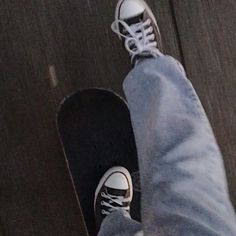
{"x": 51, "y": 48}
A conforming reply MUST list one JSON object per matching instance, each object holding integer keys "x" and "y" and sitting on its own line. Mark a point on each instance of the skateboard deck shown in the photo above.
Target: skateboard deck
{"x": 96, "y": 133}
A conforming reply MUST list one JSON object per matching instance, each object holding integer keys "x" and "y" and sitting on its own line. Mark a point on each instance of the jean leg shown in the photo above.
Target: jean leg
{"x": 119, "y": 223}
{"x": 184, "y": 187}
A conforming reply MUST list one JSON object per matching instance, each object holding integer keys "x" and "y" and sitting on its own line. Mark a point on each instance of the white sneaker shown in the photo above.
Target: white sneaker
{"x": 114, "y": 191}
{"x": 137, "y": 27}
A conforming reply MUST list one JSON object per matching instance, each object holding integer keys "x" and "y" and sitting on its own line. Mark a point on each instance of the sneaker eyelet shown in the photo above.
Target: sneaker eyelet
{"x": 102, "y": 194}
{"x": 102, "y": 203}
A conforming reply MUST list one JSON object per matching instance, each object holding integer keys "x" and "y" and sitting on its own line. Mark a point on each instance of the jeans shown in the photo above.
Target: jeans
{"x": 183, "y": 181}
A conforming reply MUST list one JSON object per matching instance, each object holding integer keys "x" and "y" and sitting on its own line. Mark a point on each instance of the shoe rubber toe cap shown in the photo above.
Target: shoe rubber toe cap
{"x": 117, "y": 181}
{"x": 130, "y": 8}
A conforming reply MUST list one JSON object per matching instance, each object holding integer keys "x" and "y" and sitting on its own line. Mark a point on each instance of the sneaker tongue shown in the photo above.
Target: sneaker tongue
{"x": 116, "y": 192}
{"x": 134, "y": 20}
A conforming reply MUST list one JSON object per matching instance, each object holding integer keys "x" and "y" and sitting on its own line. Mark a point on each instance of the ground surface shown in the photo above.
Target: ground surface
{"x": 51, "y": 48}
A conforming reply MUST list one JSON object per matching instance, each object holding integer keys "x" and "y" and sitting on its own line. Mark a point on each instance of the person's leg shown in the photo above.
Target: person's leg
{"x": 183, "y": 182}
{"x": 184, "y": 188}
{"x": 119, "y": 223}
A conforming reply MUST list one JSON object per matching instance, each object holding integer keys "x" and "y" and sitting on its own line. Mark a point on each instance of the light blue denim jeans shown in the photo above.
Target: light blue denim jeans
{"x": 183, "y": 181}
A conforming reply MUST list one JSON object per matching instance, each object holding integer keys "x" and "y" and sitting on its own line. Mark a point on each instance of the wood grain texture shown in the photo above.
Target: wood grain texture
{"x": 47, "y": 50}
{"x": 36, "y": 191}
{"x": 207, "y": 33}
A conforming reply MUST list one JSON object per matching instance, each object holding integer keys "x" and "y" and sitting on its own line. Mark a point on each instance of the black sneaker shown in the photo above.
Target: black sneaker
{"x": 114, "y": 192}
{"x": 137, "y": 27}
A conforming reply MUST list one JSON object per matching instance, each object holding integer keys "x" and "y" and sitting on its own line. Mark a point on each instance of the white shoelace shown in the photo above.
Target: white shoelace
{"x": 139, "y": 38}
{"x": 119, "y": 200}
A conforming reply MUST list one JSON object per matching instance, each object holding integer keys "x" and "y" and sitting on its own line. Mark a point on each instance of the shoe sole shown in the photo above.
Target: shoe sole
{"x": 108, "y": 173}
{"x": 148, "y": 9}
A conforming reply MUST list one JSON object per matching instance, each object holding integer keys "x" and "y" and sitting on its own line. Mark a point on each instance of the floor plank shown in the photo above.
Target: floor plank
{"x": 37, "y": 197}
{"x": 207, "y": 34}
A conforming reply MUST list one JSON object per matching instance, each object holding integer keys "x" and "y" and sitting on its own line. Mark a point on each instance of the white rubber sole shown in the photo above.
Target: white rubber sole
{"x": 150, "y": 13}
{"x": 107, "y": 174}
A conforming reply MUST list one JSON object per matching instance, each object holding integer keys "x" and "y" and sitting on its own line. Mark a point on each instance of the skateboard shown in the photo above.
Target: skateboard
{"x": 95, "y": 130}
